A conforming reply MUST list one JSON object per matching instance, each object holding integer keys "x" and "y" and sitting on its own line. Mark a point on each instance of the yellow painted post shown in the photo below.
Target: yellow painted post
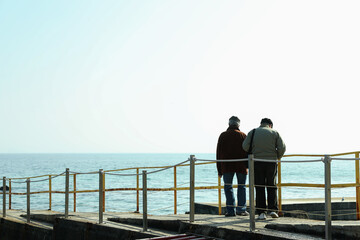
{"x": 101, "y": 196}
{"x": 75, "y": 192}
{"x": 50, "y": 189}
{"x": 9, "y": 193}
{"x": 4, "y": 196}
{"x": 219, "y": 194}
{"x": 67, "y": 184}
{"x": 104, "y": 192}
{"x": 137, "y": 191}
{"x": 279, "y": 187}
{"x": 357, "y": 187}
{"x": 175, "y": 192}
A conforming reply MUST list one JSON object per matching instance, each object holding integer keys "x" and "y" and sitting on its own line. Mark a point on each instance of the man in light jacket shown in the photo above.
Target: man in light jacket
{"x": 267, "y": 144}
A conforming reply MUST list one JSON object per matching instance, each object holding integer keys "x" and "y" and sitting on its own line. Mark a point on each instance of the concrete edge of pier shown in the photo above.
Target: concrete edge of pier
{"x": 50, "y": 225}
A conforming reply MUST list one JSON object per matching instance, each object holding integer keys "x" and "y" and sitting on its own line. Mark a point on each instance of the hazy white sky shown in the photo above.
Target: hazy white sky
{"x": 165, "y": 76}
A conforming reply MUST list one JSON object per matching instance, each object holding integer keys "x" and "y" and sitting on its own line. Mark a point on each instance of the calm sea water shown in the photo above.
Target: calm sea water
{"x": 159, "y": 202}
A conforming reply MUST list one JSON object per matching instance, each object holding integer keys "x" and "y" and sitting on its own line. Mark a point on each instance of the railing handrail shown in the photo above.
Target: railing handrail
{"x": 320, "y": 155}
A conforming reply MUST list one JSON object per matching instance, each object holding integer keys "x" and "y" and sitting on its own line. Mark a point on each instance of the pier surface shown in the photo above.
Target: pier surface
{"x": 49, "y": 225}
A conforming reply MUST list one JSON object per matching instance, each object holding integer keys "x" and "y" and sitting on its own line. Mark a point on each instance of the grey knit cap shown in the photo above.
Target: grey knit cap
{"x": 234, "y": 121}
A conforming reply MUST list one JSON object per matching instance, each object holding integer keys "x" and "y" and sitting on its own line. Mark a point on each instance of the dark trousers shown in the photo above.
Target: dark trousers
{"x": 265, "y": 175}
{"x": 229, "y": 193}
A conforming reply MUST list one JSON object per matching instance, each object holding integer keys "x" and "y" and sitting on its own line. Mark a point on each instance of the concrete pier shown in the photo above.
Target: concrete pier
{"x": 314, "y": 208}
{"x": 49, "y": 225}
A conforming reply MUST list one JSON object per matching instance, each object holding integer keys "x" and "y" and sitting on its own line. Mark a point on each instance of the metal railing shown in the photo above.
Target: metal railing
{"x": 75, "y": 191}
{"x": 356, "y": 183}
{"x": 101, "y": 190}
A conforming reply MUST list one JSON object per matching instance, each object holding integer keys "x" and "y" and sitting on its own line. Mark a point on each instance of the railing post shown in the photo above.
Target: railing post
{"x": 67, "y": 183}
{"x": 192, "y": 188}
{"x": 28, "y": 200}
{"x": 50, "y": 192}
{"x": 145, "y": 223}
{"x": 10, "y": 195}
{"x": 103, "y": 192}
{"x": 357, "y": 181}
{"x": 4, "y": 196}
{"x": 74, "y": 183}
{"x": 137, "y": 190}
{"x": 251, "y": 192}
{"x": 279, "y": 188}
{"x": 175, "y": 192}
{"x": 101, "y": 196}
{"x": 219, "y": 195}
{"x": 327, "y": 163}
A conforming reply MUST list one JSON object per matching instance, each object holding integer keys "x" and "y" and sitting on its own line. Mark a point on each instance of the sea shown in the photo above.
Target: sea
{"x": 159, "y": 202}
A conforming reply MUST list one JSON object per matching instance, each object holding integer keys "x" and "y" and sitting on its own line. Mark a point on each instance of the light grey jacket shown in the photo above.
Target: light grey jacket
{"x": 267, "y": 143}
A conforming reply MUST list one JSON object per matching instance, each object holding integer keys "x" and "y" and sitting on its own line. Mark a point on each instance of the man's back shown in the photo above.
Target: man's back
{"x": 267, "y": 143}
{"x": 230, "y": 144}
{"x": 230, "y": 147}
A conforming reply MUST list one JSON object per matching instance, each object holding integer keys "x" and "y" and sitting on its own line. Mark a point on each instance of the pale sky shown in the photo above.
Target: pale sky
{"x": 165, "y": 76}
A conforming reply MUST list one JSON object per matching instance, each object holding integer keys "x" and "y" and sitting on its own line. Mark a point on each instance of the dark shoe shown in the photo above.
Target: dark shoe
{"x": 242, "y": 213}
{"x": 230, "y": 215}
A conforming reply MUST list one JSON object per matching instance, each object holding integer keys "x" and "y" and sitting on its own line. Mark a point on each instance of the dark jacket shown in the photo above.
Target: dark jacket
{"x": 229, "y": 146}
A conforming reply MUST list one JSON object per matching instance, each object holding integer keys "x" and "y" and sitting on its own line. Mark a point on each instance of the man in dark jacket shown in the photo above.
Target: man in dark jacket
{"x": 230, "y": 147}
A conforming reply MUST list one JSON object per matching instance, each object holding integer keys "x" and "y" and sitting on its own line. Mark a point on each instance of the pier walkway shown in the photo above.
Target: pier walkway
{"x": 49, "y": 225}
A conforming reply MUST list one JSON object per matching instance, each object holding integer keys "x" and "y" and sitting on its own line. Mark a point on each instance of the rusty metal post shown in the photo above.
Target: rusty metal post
{"x": 4, "y": 196}
{"x": 137, "y": 190}
{"x": 279, "y": 188}
{"x": 50, "y": 192}
{"x": 219, "y": 195}
{"x": 175, "y": 192}
{"x": 74, "y": 183}
{"x": 101, "y": 196}
{"x": 67, "y": 183}
{"x": 192, "y": 188}
{"x": 10, "y": 195}
{"x": 28, "y": 200}
{"x": 145, "y": 221}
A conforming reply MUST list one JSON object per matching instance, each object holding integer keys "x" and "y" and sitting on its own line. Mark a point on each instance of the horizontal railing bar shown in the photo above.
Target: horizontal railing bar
{"x": 319, "y": 155}
{"x": 115, "y": 170}
{"x": 47, "y": 175}
{"x": 314, "y": 185}
{"x": 338, "y": 185}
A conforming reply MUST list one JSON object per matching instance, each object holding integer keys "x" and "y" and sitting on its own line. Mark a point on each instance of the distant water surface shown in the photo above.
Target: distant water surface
{"x": 29, "y": 165}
